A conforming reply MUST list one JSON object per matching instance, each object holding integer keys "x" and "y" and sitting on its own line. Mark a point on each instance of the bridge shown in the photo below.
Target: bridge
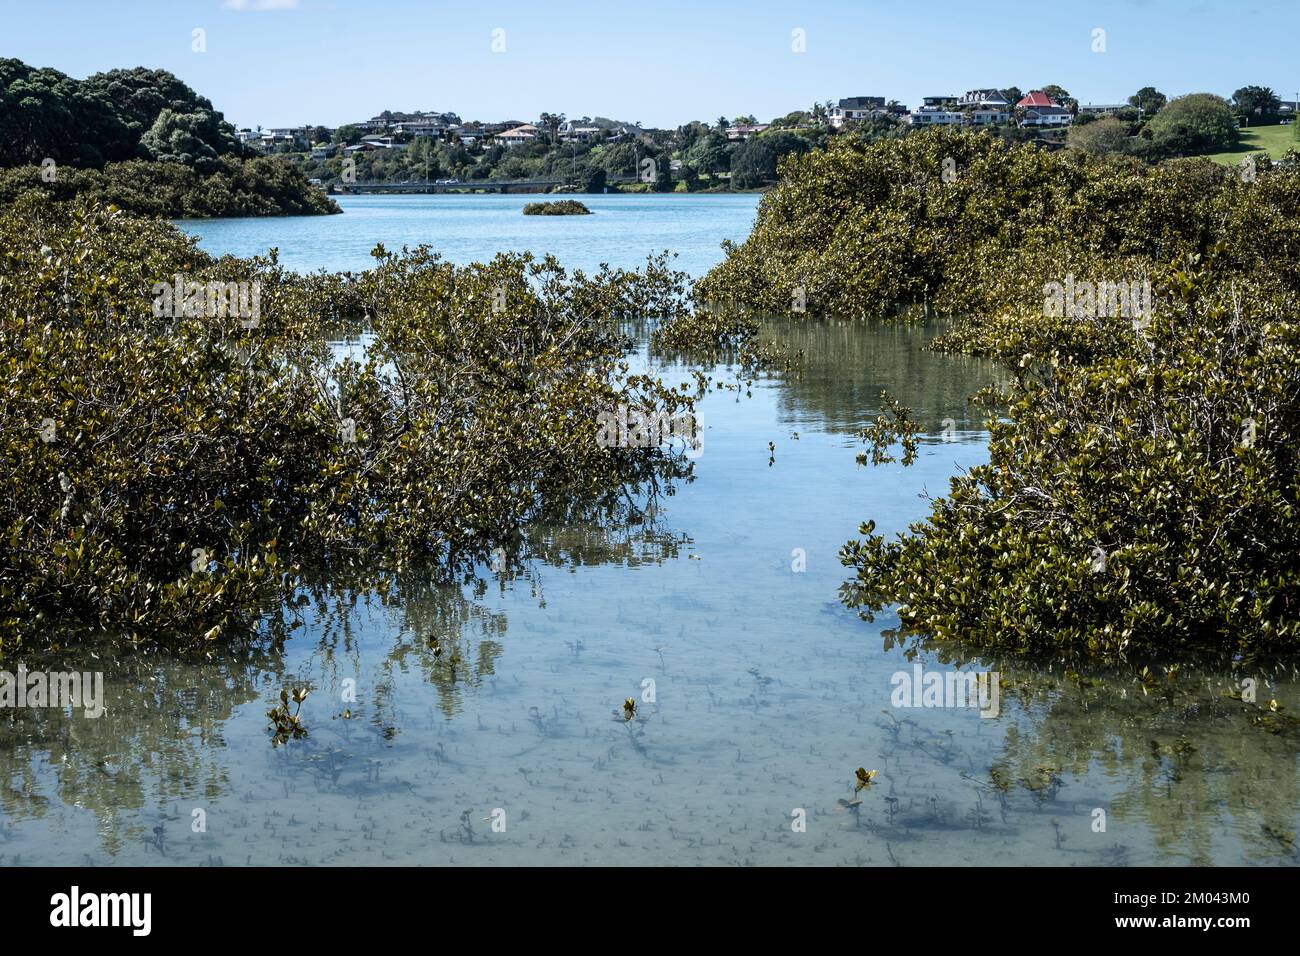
{"x": 486, "y": 185}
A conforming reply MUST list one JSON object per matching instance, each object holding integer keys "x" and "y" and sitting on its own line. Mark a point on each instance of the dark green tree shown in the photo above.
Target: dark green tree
{"x": 1192, "y": 124}
{"x": 1149, "y": 100}
{"x": 755, "y": 161}
{"x": 1255, "y": 103}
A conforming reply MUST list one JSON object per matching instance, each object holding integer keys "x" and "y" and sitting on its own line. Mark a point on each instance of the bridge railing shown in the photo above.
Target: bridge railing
{"x": 464, "y": 184}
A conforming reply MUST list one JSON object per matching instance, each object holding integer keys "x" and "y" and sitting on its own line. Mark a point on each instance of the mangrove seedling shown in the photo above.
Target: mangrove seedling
{"x": 288, "y": 726}
{"x": 864, "y": 778}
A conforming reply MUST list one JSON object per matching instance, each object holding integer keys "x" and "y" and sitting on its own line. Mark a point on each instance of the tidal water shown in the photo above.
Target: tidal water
{"x": 622, "y": 230}
{"x": 758, "y": 694}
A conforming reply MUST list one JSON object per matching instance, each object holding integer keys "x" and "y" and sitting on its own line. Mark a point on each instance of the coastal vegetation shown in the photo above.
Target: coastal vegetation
{"x": 173, "y": 471}
{"x": 260, "y": 186}
{"x": 139, "y": 139}
{"x": 1140, "y": 496}
{"x": 561, "y": 207}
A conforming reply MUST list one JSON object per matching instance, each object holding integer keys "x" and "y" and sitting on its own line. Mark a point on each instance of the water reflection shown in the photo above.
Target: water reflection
{"x": 432, "y": 706}
{"x": 844, "y": 372}
{"x": 161, "y": 739}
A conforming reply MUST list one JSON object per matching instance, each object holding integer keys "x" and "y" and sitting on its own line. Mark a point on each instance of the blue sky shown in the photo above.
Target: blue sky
{"x": 660, "y": 62}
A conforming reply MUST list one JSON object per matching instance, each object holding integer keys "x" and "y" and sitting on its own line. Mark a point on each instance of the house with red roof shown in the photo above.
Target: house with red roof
{"x": 1033, "y": 99}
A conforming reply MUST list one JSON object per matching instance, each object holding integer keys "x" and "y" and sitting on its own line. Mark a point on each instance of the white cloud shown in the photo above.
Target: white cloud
{"x": 260, "y": 4}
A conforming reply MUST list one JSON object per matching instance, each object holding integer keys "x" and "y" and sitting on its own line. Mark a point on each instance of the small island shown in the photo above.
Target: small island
{"x": 564, "y": 207}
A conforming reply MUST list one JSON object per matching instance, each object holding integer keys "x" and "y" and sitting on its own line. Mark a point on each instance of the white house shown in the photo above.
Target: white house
{"x": 1046, "y": 116}
{"x": 925, "y": 117}
{"x": 423, "y": 127}
{"x": 1102, "y": 109}
{"x": 984, "y": 99}
{"x": 375, "y": 141}
{"x": 572, "y": 132}
{"x": 851, "y": 109}
{"x": 518, "y": 136}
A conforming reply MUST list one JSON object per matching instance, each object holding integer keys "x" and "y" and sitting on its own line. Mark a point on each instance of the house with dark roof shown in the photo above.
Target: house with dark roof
{"x": 992, "y": 116}
{"x": 1046, "y": 116}
{"x": 851, "y": 109}
{"x": 984, "y": 99}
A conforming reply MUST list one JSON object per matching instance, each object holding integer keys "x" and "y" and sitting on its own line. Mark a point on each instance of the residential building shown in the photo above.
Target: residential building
{"x": 851, "y": 109}
{"x": 989, "y": 117}
{"x": 1046, "y": 116}
{"x": 935, "y": 117}
{"x": 299, "y": 136}
{"x": 743, "y": 131}
{"x": 575, "y": 131}
{"x": 938, "y": 102}
{"x": 519, "y": 135}
{"x": 468, "y": 135}
{"x": 1034, "y": 98}
{"x": 376, "y": 141}
{"x": 1102, "y": 109}
{"x": 421, "y": 127}
{"x": 984, "y": 99}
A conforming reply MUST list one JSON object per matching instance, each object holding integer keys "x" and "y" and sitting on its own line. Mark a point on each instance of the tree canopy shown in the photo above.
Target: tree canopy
{"x": 1195, "y": 123}
{"x": 108, "y": 117}
{"x": 1140, "y": 496}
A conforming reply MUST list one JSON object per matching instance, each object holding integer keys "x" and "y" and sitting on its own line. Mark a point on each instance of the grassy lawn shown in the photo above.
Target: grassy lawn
{"x": 1274, "y": 140}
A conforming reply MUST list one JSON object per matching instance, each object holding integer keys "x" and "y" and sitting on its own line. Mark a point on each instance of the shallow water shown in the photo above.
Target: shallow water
{"x": 622, "y": 230}
{"x": 767, "y": 694}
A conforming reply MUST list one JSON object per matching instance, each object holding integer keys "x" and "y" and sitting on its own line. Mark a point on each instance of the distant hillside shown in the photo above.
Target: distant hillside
{"x": 171, "y": 136}
{"x": 121, "y": 114}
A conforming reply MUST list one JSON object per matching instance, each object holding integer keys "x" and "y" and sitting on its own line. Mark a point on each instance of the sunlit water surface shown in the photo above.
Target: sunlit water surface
{"x": 767, "y": 693}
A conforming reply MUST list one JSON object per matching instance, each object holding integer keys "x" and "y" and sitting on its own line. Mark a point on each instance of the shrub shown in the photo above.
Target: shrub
{"x": 561, "y": 207}
{"x": 1196, "y": 123}
{"x": 252, "y": 187}
{"x": 1141, "y": 494}
{"x": 172, "y": 478}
